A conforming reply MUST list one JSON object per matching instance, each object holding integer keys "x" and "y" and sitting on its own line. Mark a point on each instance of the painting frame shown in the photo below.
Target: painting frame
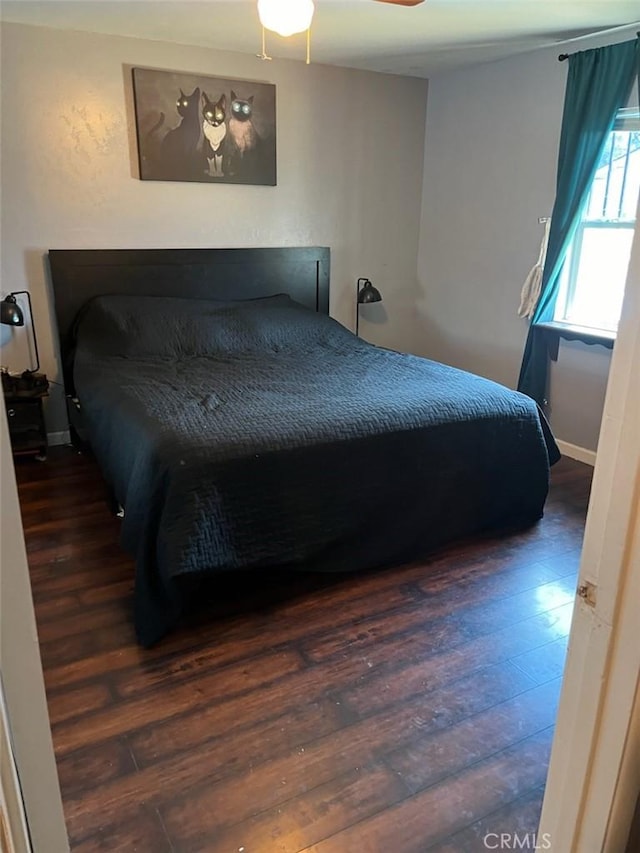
{"x": 204, "y": 129}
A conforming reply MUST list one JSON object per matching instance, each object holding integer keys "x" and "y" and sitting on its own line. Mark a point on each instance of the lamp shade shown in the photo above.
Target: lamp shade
{"x": 286, "y": 17}
{"x": 11, "y": 315}
{"x": 10, "y": 312}
{"x": 368, "y": 293}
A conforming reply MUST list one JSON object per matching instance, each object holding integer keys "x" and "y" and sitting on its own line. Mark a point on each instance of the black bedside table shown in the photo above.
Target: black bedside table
{"x": 25, "y": 417}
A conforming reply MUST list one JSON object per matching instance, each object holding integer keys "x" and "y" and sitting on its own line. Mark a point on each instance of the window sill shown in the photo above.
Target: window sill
{"x": 554, "y": 330}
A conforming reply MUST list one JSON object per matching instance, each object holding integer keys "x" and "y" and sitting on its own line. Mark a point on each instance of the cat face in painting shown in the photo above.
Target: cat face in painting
{"x": 214, "y": 112}
{"x": 184, "y": 102}
{"x": 241, "y": 109}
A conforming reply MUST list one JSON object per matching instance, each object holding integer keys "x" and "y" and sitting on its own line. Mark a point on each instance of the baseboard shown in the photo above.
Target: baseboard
{"x": 573, "y": 451}
{"x": 57, "y": 438}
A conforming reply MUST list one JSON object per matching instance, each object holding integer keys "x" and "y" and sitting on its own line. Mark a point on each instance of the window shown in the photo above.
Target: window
{"x": 595, "y": 270}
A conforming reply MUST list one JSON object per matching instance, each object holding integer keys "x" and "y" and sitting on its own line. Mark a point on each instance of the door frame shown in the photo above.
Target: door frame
{"x": 593, "y": 780}
{"x": 22, "y": 678}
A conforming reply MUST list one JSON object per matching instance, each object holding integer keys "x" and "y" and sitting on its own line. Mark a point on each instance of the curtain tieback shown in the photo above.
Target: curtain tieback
{"x": 530, "y": 293}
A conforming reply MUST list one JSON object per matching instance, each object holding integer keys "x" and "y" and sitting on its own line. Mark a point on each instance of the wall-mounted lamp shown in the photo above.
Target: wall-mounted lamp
{"x": 365, "y": 294}
{"x": 11, "y": 315}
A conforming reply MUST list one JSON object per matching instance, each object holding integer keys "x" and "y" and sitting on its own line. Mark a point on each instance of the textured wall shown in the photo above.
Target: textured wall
{"x": 490, "y": 166}
{"x": 350, "y": 157}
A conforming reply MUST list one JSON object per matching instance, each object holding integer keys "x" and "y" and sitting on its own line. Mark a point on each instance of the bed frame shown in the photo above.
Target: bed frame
{"x": 79, "y": 275}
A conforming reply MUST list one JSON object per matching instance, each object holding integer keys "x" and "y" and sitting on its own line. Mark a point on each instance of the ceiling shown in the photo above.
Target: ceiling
{"x": 421, "y": 41}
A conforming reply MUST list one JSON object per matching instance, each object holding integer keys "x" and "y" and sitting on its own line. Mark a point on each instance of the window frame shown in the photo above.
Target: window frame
{"x": 627, "y": 119}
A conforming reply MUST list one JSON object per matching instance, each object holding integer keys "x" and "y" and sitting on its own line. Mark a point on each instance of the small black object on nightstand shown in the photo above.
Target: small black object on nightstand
{"x": 23, "y": 393}
{"x": 23, "y": 396}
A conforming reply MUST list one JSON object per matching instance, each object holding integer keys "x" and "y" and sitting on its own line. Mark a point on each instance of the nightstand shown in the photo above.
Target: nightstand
{"x": 25, "y": 417}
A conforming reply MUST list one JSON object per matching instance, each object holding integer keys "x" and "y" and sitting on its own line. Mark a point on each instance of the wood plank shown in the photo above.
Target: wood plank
{"x": 430, "y": 758}
{"x": 545, "y": 662}
{"x": 493, "y": 612}
{"x": 144, "y": 832}
{"x": 67, "y": 704}
{"x": 517, "y": 821}
{"x": 456, "y": 661}
{"x": 178, "y": 698}
{"x": 441, "y": 810}
{"x": 405, "y": 709}
{"x": 94, "y": 765}
{"x": 317, "y": 758}
{"x": 312, "y": 816}
{"x": 325, "y": 758}
{"x": 327, "y": 809}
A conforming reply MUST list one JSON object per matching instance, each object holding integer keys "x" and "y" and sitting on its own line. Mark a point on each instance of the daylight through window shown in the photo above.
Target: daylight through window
{"x": 595, "y": 270}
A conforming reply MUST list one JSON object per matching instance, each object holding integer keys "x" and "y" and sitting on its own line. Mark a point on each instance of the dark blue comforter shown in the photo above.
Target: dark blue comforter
{"x": 260, "y": 434}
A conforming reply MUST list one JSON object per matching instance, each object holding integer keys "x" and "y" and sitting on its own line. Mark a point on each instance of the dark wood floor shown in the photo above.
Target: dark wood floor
{"x": 406, "y": 710}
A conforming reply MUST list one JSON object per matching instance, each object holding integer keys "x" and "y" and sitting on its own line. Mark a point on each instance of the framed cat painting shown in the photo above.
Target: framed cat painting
{"x": 205, "y": 129}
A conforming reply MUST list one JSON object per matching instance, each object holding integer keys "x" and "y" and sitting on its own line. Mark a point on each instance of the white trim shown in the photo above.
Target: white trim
{"x": 574, "y": 451}
{"x": 589, "y": 796}
{"x": 628, "y": 785}
{"x": 55, "y": 439}
{"x": 21, "y": 668}
{"x": 13, "y": 820}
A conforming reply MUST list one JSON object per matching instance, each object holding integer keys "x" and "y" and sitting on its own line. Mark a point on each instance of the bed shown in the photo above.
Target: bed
{"x": 240, "y": 427}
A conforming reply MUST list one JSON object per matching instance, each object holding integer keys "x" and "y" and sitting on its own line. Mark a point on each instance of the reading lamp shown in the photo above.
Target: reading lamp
{"x": 11, "y": 315}
{"x": 366, "y": 293}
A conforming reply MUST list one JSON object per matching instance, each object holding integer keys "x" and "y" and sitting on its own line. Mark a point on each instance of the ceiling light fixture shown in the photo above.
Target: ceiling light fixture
{"x": 286, "y": 18}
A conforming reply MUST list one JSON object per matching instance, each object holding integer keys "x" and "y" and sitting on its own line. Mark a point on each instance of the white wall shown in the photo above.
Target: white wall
{"x": 490, "y": 168}
{"x": 350, "y": 156}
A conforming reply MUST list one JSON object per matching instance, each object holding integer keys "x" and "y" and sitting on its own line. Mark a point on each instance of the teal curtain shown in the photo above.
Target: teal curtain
{"x": 599, "y": 83}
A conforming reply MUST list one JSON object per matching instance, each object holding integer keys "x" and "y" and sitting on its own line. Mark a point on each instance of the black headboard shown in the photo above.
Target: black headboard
{"x": 79, "y": 275}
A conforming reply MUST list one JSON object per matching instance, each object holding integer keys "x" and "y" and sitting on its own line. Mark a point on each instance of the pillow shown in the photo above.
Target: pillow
{"x": 174, "y": 328}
